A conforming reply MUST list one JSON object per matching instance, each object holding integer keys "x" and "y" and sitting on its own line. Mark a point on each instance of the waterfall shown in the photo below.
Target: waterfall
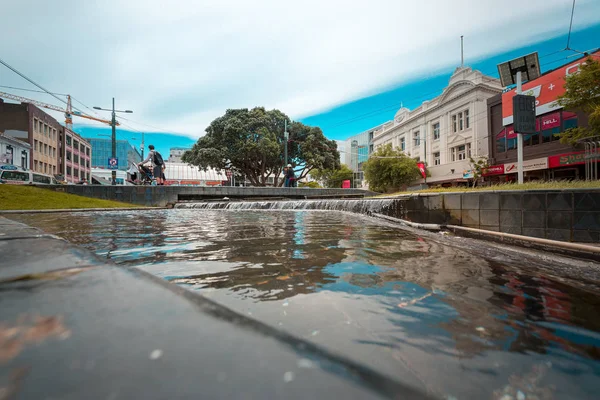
{"x": 363, "y": 206}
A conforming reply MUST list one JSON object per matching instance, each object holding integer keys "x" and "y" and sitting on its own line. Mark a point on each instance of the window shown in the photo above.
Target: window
{"x": 467, "y": 121}
{"x": 468, "y": 150}
{"x": 76, "y": 172}
{"x": 87, "y": 163}
{"x": 35, "y": 145}
{"x": 9, "y": 152}
{"x": 45, "y": 149}
{"x": 461, "y": 121}
{"x": 68, "y": 155}
{"x": 82, "y": 148}
{"x": 68, "y": 140}
{"x": 15, "y": 176}
{"x": 88, "y": 177}
{"x": 54, "y": 169}
{"x": 370, "y": 149}
{"x": 42, "y": 179}
{"x": 436, "y": 158}
{"x": 24, "y": 159}
{"x": 76, "y": 159}
{"x": 69, "y": 171}
{"x": 402, "y": 143}
{"x": 35, "y": 125}
{"x": 454, "y": 125}
{"x": 461, "y": 152}
{"x": 75, "y": 145}
{"x": 453, "y": 154}
{"x": 45, "y": 130}
{"x": 45, "y": 168}
{"x": 417, "y": 138}
{"x": 87, "y": 151}
{"x": 436, "y": 131}
{"x": 35, "y": 165}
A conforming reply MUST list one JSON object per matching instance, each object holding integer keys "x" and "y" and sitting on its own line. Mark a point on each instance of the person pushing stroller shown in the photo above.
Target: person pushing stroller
{"x": 157, "y": 165}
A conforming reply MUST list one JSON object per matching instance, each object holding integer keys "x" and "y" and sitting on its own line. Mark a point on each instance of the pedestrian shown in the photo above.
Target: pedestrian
{"x": 290, "y": 177}
{"x": 157, "y": 165}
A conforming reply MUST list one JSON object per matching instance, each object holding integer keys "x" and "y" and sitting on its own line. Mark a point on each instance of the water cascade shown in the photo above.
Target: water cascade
{"x": 368, "y": 206}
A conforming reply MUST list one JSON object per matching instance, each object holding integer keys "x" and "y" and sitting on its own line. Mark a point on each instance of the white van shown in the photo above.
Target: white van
{"x": 10, "y": 174}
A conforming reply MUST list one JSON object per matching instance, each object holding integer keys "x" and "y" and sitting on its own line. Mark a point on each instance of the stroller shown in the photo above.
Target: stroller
{"x": 141, "y": 175}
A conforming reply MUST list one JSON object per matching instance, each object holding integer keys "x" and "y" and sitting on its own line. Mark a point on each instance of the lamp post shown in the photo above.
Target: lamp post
{"x": 113, "y": 124}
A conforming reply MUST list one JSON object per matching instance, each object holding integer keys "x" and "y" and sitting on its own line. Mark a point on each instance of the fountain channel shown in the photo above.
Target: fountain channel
{"x": 452, "y": 317}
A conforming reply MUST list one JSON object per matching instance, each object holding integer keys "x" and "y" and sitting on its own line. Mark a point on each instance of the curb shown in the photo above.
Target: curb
{"x": 71, "y": 210}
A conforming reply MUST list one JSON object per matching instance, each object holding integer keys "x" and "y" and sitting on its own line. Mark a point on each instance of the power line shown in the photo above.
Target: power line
{"x": 31, "y": 81}
{"x": 570, "y": 27}
{"x": 29, "y": 90}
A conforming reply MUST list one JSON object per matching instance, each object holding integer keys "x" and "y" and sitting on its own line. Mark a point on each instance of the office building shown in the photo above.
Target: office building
{"x": 14, "y": 151}
{"x": 175, "y": 154}
{"x": 76, "y": 156}
{"x": 27, "y": 123}
{"x": 127, "y": 154}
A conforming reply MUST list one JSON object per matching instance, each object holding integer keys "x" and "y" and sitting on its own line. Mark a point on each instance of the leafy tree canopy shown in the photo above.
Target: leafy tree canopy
{"x": 333, "y": 178}
{"x": 251, "y": 142}
{"x": 583, "y": 94}
{"x": 388, "y": 169}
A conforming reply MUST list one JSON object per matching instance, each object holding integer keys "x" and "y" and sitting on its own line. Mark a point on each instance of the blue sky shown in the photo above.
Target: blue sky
{"x": 357, "y": 116}
{"x": 321, "y": 62}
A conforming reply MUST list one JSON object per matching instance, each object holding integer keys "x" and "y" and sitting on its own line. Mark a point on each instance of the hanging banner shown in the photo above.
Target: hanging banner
{"x": 545, "y": 89}
{"x": 422, "y": 169}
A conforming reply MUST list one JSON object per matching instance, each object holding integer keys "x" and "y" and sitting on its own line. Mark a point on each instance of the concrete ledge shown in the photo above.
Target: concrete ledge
{"x": 72, "y": 210}
{"x": 577, "y": 250}
{"x": 107, "y": 332}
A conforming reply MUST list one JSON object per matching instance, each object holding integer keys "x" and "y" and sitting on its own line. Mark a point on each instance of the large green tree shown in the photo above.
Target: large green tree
{"x": 388, "y": 169}
{"x": 251, "y": 142}
{"x": 583, "y": 94}
{"x": 333, "y": 178}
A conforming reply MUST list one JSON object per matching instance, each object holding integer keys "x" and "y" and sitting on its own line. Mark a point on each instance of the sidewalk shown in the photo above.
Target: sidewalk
{"x": 73, "y": 327}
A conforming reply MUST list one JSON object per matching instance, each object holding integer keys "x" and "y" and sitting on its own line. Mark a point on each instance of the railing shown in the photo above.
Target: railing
{"x": 592, "y": 155}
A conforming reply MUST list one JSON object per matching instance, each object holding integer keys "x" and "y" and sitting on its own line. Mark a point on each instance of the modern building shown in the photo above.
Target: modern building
{"x": 29, "y": 124}
{"x": 14, "y": 151}
{"x": 357, "y": 148}
{"x": 447, "y": 131}
{"x": 127, "y": 154}
{"x": 175, "y": 154}
{"x": 76, "y": 157}
{"x": 544, "y": 156}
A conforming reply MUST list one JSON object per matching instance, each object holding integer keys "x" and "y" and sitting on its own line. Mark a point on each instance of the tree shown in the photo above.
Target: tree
{"x": 388, "y": 169}
{"x": 251, "y": 143}
{"x": 478, "y": 167}
{"x": 583, "y": 93}
{"x": 333, "y": 178}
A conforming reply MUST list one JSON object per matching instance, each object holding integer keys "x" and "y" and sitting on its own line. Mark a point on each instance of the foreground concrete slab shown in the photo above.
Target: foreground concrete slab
{"x": 72, "y": 327}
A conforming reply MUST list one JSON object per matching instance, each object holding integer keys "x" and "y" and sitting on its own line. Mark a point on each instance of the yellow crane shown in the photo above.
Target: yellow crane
{"x": 68, "y": 112}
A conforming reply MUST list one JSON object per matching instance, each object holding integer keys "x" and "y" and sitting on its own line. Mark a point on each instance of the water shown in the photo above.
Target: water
{"x": 450, "y": 318}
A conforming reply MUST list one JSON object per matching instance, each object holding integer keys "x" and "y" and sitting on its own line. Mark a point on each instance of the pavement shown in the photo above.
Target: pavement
{"x": 73, "y": 326}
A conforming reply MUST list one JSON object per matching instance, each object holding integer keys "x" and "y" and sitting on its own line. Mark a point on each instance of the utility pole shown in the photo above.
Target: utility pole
{"x": 114, "y": 141}
{"x": 142, "y": 146}
{"x": 519, "y": 135}
{"x": 286, "y": 136}
{"x": 114, "y": 134}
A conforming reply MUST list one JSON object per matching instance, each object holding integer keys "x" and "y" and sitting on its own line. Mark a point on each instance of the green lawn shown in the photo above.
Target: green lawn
{"x": 21, "y": 197}
{"x": 555, "y": 185}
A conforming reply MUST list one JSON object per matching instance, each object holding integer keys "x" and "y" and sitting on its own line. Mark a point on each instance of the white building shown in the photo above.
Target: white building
{"x": 446, "y": 131}
{"x": 14, "y": 151}
{"x": 175, "y": 154}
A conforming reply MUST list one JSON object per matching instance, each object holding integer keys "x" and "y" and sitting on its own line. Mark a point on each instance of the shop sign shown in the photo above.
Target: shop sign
{"x": 546, "y": 90}
{"x": 550, "y": 121}
{"x": 561, "y": 160}
{"x": 468, "y": 174}
{"x": 528, "y": 165}
{"x": 494, "y": 170}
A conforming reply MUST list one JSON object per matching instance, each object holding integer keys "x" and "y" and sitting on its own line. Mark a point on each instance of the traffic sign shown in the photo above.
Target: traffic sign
{"x": 113, "y": 163}
{"x": 524, "y": 113}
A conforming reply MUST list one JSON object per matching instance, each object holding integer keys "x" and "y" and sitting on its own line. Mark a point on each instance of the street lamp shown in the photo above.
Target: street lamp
{"x": 113, "y": 124}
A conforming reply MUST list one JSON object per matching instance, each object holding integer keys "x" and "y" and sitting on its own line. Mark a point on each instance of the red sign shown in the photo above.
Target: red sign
{"x": 422, "y": 169}
{"x": 494, "y": 170}
{"x": 346, "y": 184}
{"x": 562, "y": 160}
{"x": 550, "y": 121}
{"x": 546, "y": 89}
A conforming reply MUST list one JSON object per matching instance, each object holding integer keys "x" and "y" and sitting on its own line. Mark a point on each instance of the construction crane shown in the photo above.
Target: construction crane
{"x": 68, "y": 112}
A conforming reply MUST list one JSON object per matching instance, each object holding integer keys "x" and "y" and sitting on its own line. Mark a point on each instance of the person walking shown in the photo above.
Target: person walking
{"x": 290, "y": 177}
{"x": 157, "y": 164}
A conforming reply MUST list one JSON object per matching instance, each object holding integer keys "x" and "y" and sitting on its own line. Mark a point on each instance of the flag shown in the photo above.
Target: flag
{"x": 422, "y": 169}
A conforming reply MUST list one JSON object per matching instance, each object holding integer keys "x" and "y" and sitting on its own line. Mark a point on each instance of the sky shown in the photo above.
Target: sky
{"x": 325, "y": 63}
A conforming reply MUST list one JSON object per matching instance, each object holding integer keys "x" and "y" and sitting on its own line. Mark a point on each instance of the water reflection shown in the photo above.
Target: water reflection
{"x": 448, "y": 320}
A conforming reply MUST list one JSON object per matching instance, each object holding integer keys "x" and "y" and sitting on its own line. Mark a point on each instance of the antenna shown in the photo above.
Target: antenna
{"x": 462, "y": 54}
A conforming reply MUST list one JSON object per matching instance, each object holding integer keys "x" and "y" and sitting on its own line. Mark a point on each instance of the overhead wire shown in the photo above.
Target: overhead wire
{"x": 570, "y": 27}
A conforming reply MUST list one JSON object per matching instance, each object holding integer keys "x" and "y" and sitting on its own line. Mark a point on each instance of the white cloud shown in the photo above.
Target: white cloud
{"x": 180, "y": 64}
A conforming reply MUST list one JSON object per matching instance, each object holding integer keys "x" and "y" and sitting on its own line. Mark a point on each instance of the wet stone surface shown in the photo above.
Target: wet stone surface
{"x": 457, "y": 322}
